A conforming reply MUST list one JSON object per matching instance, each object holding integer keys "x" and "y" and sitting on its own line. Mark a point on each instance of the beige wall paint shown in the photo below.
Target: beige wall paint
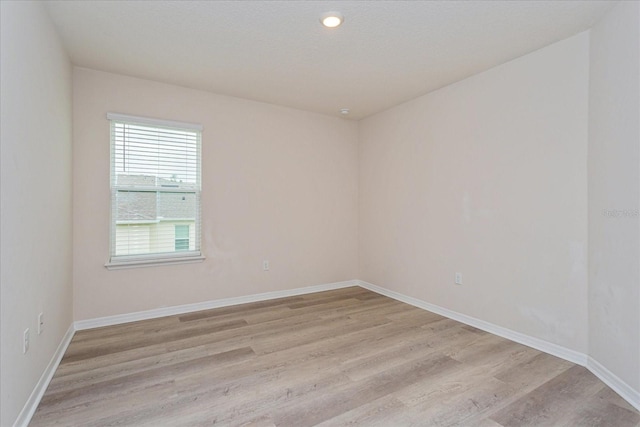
{"x": 35, "y": 191}
{"x": 614, "y": 185}
{"x": 487, "y": 177}
{"x": 277, "y": 184}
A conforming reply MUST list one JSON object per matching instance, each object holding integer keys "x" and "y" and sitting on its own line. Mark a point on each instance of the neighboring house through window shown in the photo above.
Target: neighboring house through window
{"x": 155, "y": 191}
{"x": 182, "y": 237}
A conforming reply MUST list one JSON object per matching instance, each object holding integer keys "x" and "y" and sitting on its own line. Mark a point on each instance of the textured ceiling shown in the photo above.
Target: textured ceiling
{"x": 386, "y": 52}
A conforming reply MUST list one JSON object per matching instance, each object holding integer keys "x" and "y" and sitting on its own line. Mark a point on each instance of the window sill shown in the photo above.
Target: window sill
{"x": 154, "y": 262}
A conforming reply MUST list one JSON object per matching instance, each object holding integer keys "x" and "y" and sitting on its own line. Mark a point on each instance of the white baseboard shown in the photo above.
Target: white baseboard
{"x": 36, "y": 395}
{"x": 619, "y": 386}
{"x": 34, "y": 399}
{"x": 623, "y": 389}
{"x": 609, "y": 378}
{"x": 538, "y": 344}
{"x": 206, "y": 305}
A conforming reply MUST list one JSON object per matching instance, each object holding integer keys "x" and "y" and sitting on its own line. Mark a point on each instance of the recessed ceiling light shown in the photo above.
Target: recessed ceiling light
{"x": 344, "y": 111}
{"x": 331, "y": 19}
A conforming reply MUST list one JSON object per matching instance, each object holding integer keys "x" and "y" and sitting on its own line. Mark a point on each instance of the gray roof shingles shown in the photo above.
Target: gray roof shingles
{"x": 142, "y": 206}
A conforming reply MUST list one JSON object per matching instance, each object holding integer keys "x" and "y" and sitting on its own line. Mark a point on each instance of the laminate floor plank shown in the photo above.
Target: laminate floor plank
{"x": 383, "y": 412}
{"x": 469, "y": 398}
{"x": 335, "y": 358}
{"x": 562, "y": 400}
{"x": 317, "y": 408}
{"x": 223, "y": 338}
{"x": 148, "y": 340}
{"x": 394, "y": 355}
{"x": 140, "y": 380}
{"x": 533, "y": 372}
{"x": 106, "y": 373}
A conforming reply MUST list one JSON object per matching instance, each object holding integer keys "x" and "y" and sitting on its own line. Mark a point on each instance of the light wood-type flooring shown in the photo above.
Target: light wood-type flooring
{"x": 343, "y": 357}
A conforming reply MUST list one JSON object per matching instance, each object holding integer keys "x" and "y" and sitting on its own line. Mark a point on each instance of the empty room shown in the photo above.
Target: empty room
{"x": 301, "y": 213}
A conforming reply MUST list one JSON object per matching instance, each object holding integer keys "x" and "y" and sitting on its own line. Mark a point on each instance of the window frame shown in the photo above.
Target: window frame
{"x": 163, "y": 258}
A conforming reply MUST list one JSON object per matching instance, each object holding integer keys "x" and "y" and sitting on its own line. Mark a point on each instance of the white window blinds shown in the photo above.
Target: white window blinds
{"x": 155, "y": 190}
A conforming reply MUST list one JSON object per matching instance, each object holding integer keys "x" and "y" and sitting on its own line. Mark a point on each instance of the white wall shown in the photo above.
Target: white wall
{"x": 277, "y": 184}
{"x": 36, "y": 195}
{"x": 487, "y": 177}
{"x": 614, "y": 187}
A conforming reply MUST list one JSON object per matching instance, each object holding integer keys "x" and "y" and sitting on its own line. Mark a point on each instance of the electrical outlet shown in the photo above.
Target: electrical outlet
{"x": 40, "y": 323}
{"x": 265, "y": 265}
{"x": 25, "y": 341}
{"x": 458, "y": 278}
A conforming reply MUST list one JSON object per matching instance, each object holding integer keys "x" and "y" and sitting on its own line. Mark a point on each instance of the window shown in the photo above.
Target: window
{"x": 155, "y": 191}
{"x": 182, "y": 237}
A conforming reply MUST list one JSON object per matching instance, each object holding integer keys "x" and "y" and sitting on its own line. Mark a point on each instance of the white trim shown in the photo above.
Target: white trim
{"x": 609, "y": 378}
{"x": 152, "y": 262}
{"x": 155, "y": 189}
{"x": 619, "y": 386}
{"x": 537, "y": 343}
{"x": 41, "y": 386}
{"x": 612, "y": 380}
{"x": 206, "y": 305}
{"x": 154, "y": 122}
